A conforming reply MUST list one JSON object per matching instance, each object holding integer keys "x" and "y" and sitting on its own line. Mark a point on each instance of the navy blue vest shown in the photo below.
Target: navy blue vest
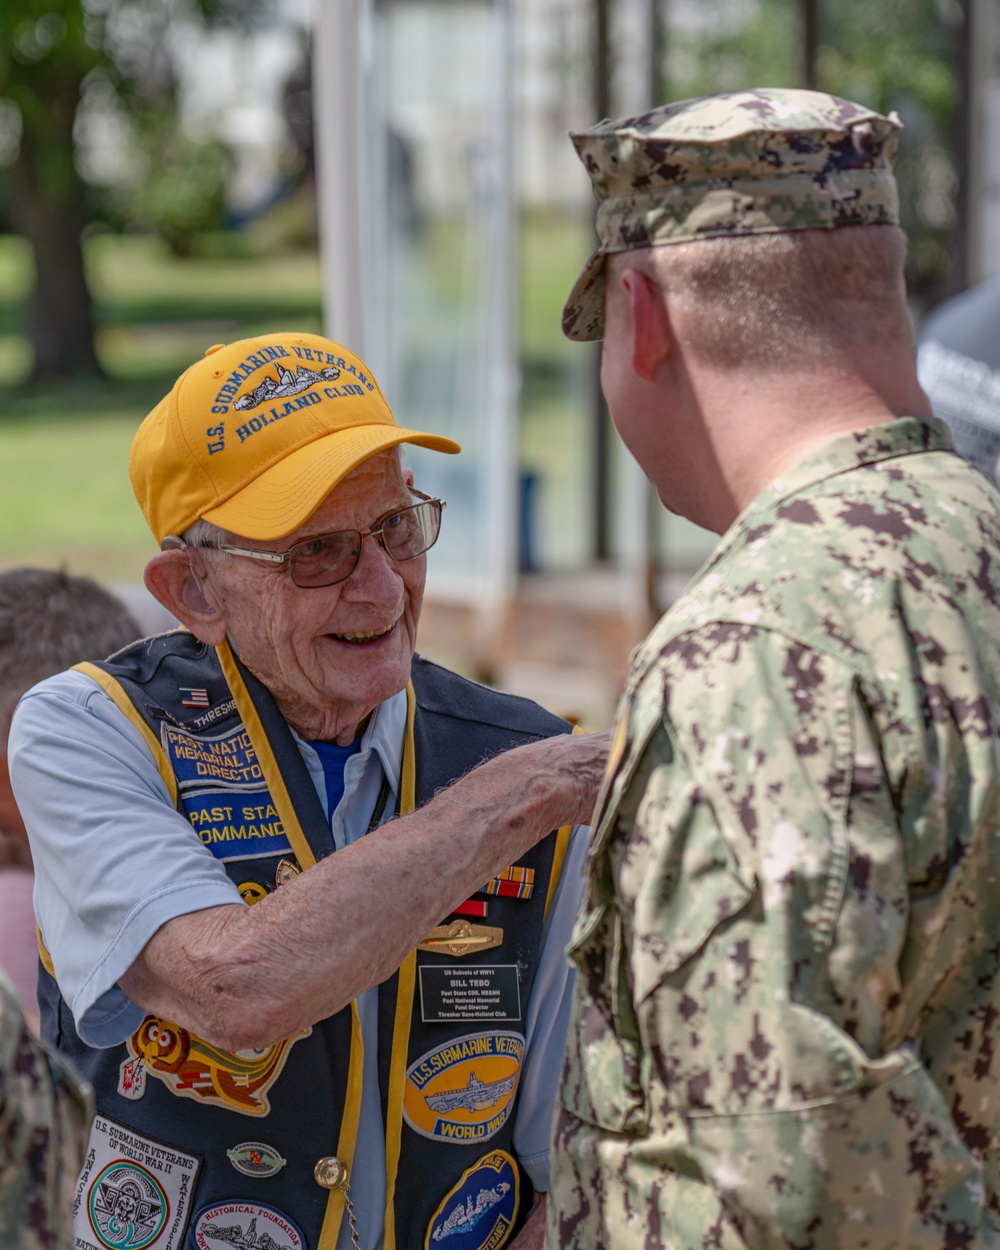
{"x": 460, "y": 1085}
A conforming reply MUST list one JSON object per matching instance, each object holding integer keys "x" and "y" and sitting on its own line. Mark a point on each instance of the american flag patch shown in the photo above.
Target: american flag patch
{"x": 195, "y": 696}
{"x": 514, "y": 882}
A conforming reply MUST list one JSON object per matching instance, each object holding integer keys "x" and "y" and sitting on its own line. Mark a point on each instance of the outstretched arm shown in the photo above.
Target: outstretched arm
{"x": 309, "y": 948}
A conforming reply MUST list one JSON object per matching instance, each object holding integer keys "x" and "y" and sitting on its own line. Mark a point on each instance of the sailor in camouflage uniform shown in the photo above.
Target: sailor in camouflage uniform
{"x": 44, "y": 1117}
{"x": 785, "y": 1020}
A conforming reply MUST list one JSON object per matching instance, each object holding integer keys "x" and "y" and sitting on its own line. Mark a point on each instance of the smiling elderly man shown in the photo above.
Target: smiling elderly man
{"x": 262, "y": 1071}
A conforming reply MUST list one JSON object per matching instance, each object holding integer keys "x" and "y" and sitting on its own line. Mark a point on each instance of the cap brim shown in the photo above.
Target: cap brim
{"x": 583, "y": 314}
{"x": 284, "y": 496}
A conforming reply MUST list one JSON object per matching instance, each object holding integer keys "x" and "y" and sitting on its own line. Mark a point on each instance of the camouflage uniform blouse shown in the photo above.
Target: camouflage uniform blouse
{"x": 786, "y": 1022}
{"x": 45, "y": 1114}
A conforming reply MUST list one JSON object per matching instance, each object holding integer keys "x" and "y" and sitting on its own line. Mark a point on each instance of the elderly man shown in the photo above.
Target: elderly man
{"x": 786, "y": 1028}
{"x": 356, "y": 1058}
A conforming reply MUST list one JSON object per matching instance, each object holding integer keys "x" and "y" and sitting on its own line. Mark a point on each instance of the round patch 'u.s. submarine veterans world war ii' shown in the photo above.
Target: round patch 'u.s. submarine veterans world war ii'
{"x": 463, "y": 1090}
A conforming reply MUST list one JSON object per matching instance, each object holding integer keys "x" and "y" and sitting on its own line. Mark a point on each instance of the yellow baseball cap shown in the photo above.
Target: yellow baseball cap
{"x": 255, "y": 436}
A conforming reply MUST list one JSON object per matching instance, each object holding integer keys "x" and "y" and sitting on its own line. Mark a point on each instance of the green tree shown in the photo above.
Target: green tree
{"x": 51, "y": 53}
{"x": 46, "y": 53}
{"x": 888, "y": 54}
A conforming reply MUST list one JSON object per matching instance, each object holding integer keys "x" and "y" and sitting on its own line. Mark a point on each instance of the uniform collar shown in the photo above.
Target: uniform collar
{"x": 904, "y": 436}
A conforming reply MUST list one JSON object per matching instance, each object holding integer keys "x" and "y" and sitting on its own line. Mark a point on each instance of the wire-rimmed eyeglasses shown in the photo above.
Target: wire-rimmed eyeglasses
{"x": 326, "y": 559}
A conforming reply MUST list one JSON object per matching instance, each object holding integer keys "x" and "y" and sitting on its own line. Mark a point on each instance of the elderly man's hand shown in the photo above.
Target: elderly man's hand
{"x": 566, "y": 770}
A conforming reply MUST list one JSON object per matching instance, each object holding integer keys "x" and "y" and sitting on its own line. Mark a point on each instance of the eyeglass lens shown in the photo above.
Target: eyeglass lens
{"x": 329, "y": 558}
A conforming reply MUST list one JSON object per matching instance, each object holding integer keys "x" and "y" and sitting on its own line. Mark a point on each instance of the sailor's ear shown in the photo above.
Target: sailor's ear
{"x": 652, "y": 333}
{"x": 172, "y": 580}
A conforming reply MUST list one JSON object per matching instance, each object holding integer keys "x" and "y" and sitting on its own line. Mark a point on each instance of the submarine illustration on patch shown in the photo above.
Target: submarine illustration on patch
{"x": 476, "y": 1096}
{"x": 288, "y": 383}
{"x": 465, "y": 1216}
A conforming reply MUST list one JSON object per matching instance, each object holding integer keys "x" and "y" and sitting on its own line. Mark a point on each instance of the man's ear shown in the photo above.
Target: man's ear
{"x": 171, "y": 580}
{"x": 652, "y": 335}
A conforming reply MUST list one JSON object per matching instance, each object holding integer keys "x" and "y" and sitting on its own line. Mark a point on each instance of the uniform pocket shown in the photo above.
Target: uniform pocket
{"x": 604, "y": 1078}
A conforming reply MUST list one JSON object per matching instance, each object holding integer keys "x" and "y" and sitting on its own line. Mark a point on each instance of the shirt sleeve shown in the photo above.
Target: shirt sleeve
{"x": 754, "y": 1072}
{"x": 548, "y": 1017}
{"x": 114, "y": 860}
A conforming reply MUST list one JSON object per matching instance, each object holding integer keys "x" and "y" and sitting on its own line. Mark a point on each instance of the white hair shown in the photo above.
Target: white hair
{"x": 204, "y": 534}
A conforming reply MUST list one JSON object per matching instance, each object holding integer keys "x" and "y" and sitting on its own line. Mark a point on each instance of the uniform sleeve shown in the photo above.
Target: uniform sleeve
{"x": 46, "y": 1114}
{"x": 548, "y": 1016}
{"x": 738, "y": 1067}
{"x": 114, "y": 860}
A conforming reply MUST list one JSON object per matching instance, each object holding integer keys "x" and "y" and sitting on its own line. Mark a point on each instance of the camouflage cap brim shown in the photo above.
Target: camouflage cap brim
{"x": 583, "y": 315}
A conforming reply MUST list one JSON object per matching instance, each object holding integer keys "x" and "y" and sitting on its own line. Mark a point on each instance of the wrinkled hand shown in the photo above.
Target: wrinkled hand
{"x": 572, "y": 767}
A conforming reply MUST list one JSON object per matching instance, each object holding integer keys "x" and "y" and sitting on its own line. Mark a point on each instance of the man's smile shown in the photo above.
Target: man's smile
{"x": 363, "y": 635}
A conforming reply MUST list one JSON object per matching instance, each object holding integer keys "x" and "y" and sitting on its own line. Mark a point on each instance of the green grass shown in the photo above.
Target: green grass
{"x": 65, "y": 496}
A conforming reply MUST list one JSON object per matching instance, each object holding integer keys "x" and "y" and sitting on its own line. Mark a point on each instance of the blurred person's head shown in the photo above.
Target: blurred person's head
{"x": 49, "y": 621}
{"x": 270, "y": 476}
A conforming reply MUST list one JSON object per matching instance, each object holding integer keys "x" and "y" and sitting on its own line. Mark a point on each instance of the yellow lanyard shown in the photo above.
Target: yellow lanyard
{"x": 407, "y": 972}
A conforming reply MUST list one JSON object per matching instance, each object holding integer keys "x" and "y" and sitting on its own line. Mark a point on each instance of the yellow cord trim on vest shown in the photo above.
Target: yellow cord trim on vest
{"x": 404, "y": 1008}
{"x": 348, "y": 1134}
{"x": 268, "y": 766}
{"x": 43, "y": 953}
{"x": 559, "y": 854}
{"x": 558, "y": 859}
{"x": 128, "y": 709}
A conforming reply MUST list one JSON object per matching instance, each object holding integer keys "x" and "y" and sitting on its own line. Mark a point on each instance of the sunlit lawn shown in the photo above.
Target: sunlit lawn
{"x": 64, "y": 491}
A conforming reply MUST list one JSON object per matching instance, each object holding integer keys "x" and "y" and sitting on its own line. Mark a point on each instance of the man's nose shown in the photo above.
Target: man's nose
{"x": 375, "y": 571}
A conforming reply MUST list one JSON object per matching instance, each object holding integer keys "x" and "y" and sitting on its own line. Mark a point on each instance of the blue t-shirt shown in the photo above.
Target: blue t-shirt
{"x": 334, "y": 760}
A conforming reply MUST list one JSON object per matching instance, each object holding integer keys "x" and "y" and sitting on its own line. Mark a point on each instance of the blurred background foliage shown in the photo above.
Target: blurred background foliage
{"x": 124, "y": 252}
{"x": 904, "y": 56}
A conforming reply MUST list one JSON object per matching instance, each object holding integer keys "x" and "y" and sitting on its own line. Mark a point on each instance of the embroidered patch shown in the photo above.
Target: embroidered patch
{"x": 234, "y": 828}
{"x": 479, "y": 1213}
{"x": 245, "y": 1225}
{"x": 224, "y": 794}
{"x": 131, "y": 1079}
{"x": 134, "y": 1192}
{"x": 195, "y": 696}
{"x": 251, "y": 892}
{"x": 205, "y": 761}
{"x": 256, "y": 1158}
{"x": 192, "y": 1068}
{"x": 464, "y": 1090}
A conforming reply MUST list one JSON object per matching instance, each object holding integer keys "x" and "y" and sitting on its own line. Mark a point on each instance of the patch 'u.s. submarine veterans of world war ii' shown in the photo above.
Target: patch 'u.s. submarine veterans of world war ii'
{"x": 319, "y": 989}
{"x": 785, "y": 1026}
